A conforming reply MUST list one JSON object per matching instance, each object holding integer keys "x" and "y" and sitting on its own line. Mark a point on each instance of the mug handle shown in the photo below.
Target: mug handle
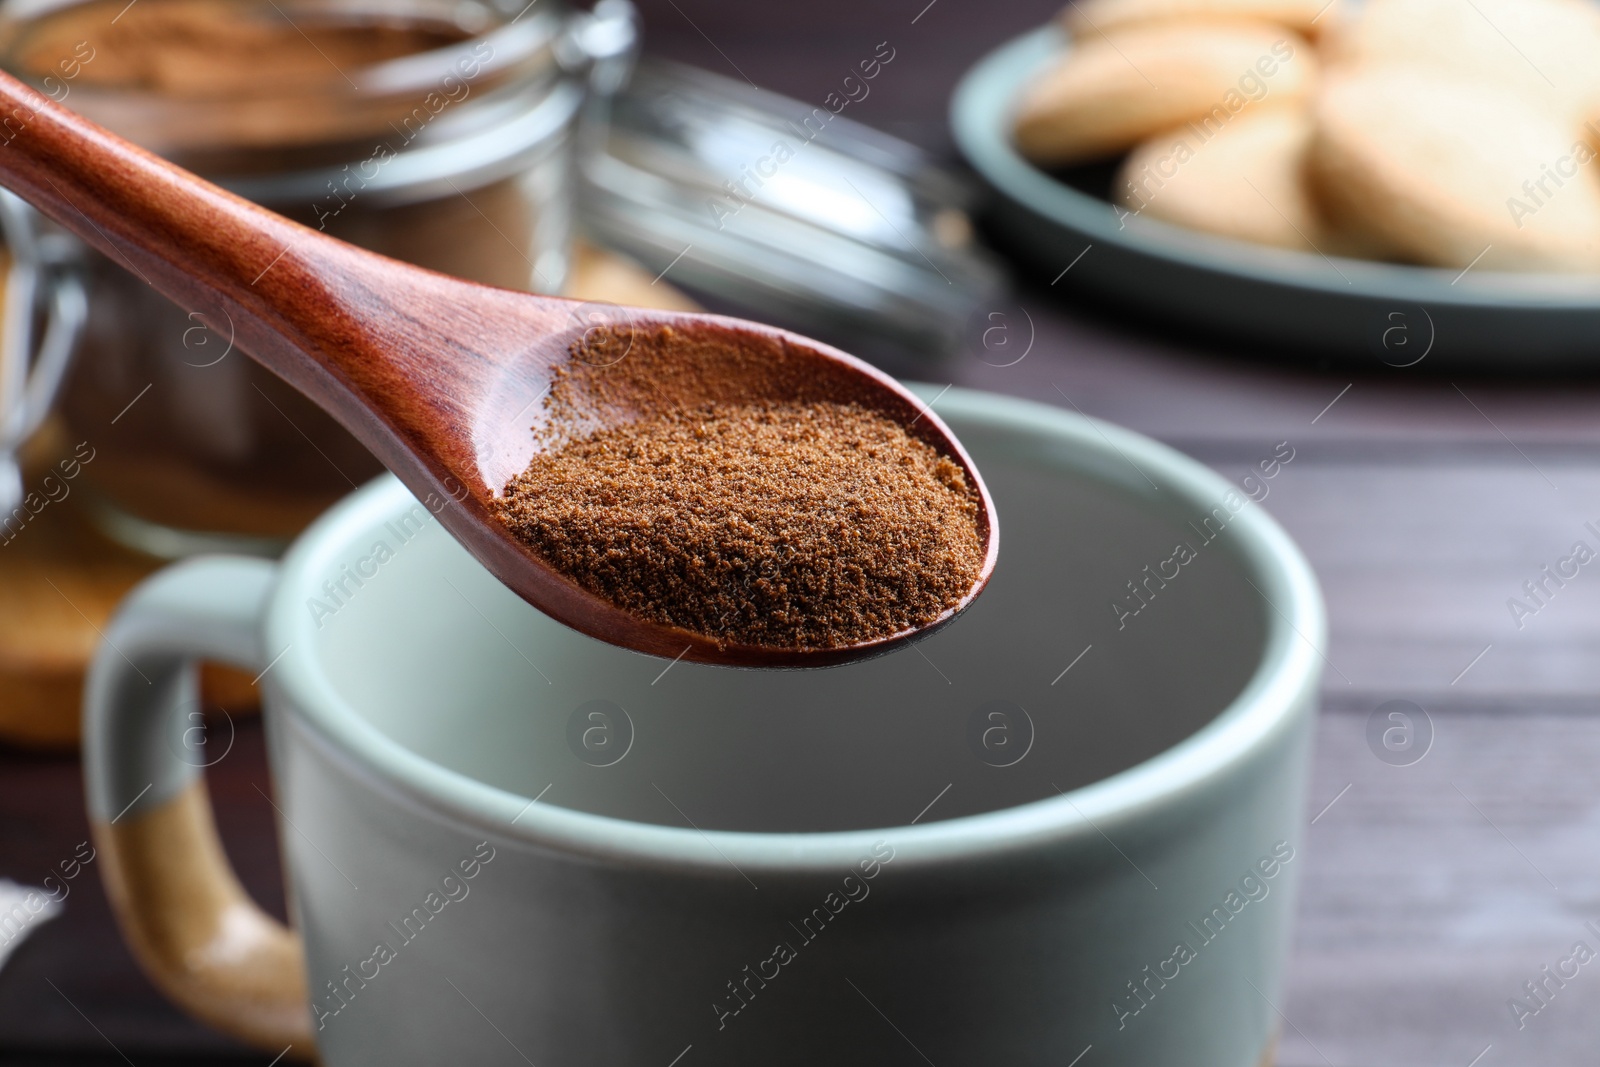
{"x": 189, "y": 922}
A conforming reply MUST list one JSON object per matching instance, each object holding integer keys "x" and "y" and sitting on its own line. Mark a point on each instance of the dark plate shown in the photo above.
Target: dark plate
{"x": 1319, "y": 305}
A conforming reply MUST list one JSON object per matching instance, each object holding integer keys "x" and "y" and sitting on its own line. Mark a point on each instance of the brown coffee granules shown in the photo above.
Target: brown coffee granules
{"x": 812, "y": 523}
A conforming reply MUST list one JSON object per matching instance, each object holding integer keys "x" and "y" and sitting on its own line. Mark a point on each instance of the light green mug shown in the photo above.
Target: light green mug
{"x": 1068, "y": 825}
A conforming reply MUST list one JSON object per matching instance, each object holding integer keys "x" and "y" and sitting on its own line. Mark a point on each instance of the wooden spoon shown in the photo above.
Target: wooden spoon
{"x": 438, "y": 377}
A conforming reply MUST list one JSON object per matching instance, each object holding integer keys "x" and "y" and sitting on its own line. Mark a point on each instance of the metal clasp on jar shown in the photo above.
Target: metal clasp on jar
{"x": 44, "y": 286}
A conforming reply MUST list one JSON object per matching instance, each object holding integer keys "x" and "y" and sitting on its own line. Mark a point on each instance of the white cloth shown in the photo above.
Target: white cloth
{"x": 22, "y": 909}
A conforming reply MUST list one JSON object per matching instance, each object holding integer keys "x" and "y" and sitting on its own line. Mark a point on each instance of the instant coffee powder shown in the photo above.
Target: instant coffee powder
{"x": 809, "y": 523}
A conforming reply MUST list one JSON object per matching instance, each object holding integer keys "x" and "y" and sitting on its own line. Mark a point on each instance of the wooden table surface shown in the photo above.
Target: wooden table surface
{"x": 1432, "y": 891}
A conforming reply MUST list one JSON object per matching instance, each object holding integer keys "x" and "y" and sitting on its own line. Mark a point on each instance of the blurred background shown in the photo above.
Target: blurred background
{"x": 848, "y": 170}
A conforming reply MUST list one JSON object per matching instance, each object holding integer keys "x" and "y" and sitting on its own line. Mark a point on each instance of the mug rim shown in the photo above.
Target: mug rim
{"x": 1281, "y": 687}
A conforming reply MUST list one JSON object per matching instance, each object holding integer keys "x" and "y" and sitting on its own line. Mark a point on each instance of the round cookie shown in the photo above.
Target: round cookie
{"x": 1451, "y": 173}
{"x": 1246, "y": 181}
{"x": 1548, "y": 50}
{"x": 1111, "y": 91}
{"x": 1305, "y": 17}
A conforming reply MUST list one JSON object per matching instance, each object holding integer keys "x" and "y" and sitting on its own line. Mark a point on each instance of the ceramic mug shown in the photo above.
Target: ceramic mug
{"x": 1067, "y": 825}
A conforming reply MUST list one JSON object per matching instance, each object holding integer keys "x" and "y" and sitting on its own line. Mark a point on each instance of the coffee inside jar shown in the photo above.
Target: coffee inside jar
{"x": 240, "y": 86}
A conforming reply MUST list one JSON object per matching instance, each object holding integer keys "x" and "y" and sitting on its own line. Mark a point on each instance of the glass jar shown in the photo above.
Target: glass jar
{"x": 440, "y": 132}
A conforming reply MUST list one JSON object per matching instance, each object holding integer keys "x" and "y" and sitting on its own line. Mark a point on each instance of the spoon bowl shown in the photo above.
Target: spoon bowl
{"x": 442, "y": 379}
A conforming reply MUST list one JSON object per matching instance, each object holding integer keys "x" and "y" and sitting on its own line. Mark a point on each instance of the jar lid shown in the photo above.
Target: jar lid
{"x": 809, "y": 219}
